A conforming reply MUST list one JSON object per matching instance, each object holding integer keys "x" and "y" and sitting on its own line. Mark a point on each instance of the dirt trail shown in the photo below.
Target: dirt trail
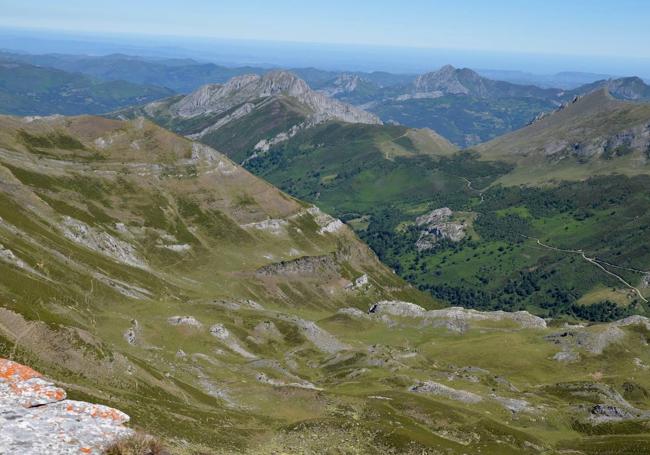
{"x": 471, "y": 188}
{"x": 597, "y": 263}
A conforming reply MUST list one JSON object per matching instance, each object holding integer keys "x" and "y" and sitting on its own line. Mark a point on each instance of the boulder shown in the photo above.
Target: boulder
{"x": 442, "y": 390}
{"x": 36, "y": 418}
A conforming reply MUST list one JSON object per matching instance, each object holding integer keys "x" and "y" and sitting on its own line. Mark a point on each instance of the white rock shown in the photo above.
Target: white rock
{"x": 184, "y": 320}
{"x": 442, "y": 390}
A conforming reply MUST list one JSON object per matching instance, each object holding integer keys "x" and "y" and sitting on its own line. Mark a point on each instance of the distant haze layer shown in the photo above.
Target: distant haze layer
{"x": 324, "y": 56}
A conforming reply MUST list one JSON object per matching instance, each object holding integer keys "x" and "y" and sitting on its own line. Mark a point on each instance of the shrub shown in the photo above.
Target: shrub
{"x": 138, "y": 444}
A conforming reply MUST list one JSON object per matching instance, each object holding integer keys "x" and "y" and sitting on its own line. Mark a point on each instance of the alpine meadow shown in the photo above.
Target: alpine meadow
{"x": 345, "y": 229}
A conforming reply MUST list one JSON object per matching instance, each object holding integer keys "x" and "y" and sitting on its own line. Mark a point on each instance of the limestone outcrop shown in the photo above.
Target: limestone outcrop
{"x": 216, "y": 98}
{"x": 437, "y": 225}
{"x": 455, "y": 319}
{"x": 36, "y": 418}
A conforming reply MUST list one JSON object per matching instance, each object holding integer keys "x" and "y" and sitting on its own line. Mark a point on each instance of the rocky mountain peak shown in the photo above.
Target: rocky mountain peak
{"x": 282, "y": 82}
{"x": 347, "y": 82}
{"x": 447, "y": 80}
{"x": 447, "y": 70}
{"x": 628, "y": 88}
{"x": 219, "y": 98}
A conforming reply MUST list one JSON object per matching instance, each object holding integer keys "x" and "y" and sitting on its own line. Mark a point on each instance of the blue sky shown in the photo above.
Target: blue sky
{"x": 561, "y": 27}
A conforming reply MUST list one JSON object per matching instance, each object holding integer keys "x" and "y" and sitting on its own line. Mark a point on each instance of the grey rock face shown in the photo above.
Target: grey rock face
{"x": 220, "y": 332}
{"x": 308, "y": 265}
{"x": 442, "y": 390}
{"x": 567, "y": 355}
{"x": 102, "y": 242}
{"x": 436, "y": 226}
{"x": 345, "y": 83}
{"x": 397, "y": 308}
{"x": 184, "y": 320}
{"x": 130, "y": 335}
{"x": 216, "y": 99}
{"x": 37, "y": 419}
{"x": 321, "y": 339}
{"x": 604, "y": 147}
{"x": 633, "y": 320}
{"x": 604, "y": 412}
{"x": 434, "y": 217}
{"x": 593, "y": 340}
{"x": 353, "y": 313}
{"x": 456, "y": 319}
{"x": 514, "y": 405}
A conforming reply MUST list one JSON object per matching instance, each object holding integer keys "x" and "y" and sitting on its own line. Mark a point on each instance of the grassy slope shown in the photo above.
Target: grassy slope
{"x": 464, "y": 120}
{"x": 66, "y": 296}
{"x": 356, "y": 169}
{"x": 238, "y": 137}
{"x": 380, "y": 178}
{"x": 592, "y": 119}
{"x": 59, "y": 315}
{"x": 271, "y": 117}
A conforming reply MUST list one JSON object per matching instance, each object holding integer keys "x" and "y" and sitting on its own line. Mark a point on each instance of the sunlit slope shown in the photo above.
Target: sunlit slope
{"x": 594, "y": 135}
{"x": 353, "y": 169}
{"x": 110, "y": 228}
{"x": 150, "y": 273}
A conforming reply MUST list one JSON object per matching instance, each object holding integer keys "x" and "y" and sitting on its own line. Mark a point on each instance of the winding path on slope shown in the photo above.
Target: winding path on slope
{"x": 471, "y": 188}
{"x": 597, "y": 263}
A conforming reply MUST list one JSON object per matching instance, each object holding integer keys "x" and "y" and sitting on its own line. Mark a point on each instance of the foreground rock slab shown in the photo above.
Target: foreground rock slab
{"x": 37, "y": 419}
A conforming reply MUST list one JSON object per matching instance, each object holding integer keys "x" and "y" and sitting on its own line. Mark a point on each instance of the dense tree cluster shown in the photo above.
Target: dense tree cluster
{"x": 601, "y": 312}
{"x": 485, "y": 270}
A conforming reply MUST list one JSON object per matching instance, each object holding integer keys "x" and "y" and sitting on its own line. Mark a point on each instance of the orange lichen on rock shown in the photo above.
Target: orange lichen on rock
{"x": 36, "y": 391}
{"x": 36, "y": 417}
{"x": 14, "y": 372}
{"x": 96, "y": 411}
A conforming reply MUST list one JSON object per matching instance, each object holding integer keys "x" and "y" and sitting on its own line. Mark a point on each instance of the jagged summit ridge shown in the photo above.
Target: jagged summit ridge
{"x": 624, "y": 88}
{"x": 447, "y": 80}
{"x": 218, "y": 98}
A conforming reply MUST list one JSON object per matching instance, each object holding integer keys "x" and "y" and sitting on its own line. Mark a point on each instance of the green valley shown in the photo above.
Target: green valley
{"x": 151, "y": 273}
{"x": 324, "y": 228}
{"x": 573, "y": 180}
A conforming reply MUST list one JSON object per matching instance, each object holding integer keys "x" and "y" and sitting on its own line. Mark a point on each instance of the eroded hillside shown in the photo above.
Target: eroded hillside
{"x": 149, "y": 273}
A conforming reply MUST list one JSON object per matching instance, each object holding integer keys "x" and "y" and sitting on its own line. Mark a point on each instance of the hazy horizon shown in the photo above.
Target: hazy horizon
{"x": 383, "y": 35}
{"x": 579, "y": 27}
{"x": 328, "y": 56}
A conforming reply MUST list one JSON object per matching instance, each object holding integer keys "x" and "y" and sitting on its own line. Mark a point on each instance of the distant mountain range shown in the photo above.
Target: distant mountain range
{"x": 249, "y": 113}
{"x": 33, "y": 90}
{"x": 461, "y": 104}
{"x": 466, "y": 107}
{"x": 180, "y": 75}
{"x": 380, "y": 177}
{"x": 566, "y": 80}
